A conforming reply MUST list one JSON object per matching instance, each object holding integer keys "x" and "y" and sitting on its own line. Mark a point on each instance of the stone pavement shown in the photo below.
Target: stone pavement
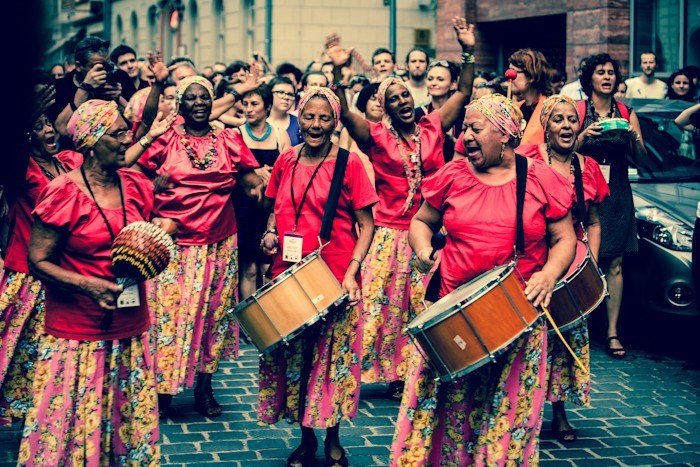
{"x": 645, "y": 410}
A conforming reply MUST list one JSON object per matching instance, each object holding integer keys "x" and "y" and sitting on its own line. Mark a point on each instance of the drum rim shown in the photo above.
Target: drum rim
{"x": 430, "y": 322}
{"x": 587, "y": 313}
{"x": 579, "y": 268}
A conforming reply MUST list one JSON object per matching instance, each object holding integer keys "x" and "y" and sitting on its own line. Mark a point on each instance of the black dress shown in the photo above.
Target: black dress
{"x": 618, "y": 225}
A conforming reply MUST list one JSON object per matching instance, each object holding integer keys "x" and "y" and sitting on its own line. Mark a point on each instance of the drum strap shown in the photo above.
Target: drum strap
{"x": 578, "y": 185}
{"x": 521, "y": 180}
{"x": 334, "y": 194}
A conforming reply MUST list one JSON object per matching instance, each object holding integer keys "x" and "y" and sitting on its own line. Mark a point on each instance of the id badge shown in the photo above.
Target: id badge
{"x": 293, "y": 243}
{"x": 129, "y": 297}
{"x": 606, "y": 172}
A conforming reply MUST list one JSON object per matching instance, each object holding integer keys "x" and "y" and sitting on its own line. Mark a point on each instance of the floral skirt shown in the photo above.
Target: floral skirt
{"x": 392, "y": 292}
{"x": 21, "y": 327}
{"x": 189, "y": 304}
{"x": 491, "y": 416}
{"x": 566, "y": 381}
{"x": 94, "y": 403}
{"x": 333, "y": 385}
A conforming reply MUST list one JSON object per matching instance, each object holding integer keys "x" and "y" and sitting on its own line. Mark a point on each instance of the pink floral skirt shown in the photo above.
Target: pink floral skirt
{"x": 333, "y": 385}
{"x": 190, "y": 304}
{"x": 566, "y": 381}
{"x": 491, "y": 416}
{"x": 392, "y": 292}
{"x": 21, "y": 327}
{"x": 95, "y": 403}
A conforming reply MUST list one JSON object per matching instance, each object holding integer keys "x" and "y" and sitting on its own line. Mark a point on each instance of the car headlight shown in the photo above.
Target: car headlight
{"x": 663, "y": 229}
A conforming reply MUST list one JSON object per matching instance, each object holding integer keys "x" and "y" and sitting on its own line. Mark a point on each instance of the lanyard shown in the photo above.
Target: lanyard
{"x": 297, "y": 211}
{"x": 104, "y": 217}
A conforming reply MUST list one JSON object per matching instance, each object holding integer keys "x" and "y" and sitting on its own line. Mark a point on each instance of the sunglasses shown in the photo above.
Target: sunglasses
{"x": 442, "y": 63}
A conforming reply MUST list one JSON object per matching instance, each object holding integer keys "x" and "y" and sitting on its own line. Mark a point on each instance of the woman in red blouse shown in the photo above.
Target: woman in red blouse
{"x": 190, "y": 300}
{"x": 403, "y": 152}
{"x": 299, "y": 185}
{"x": 493, "y": 414}
{"x": 567, "y": 382}
{"x": 94, "y": 395}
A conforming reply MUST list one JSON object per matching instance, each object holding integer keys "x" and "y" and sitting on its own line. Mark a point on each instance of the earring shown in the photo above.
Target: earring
{"x": 503, "y": 149}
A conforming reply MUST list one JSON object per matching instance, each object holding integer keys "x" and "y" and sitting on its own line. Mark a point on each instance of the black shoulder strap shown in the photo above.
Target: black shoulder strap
{"x": 521, "y": 180}
{"x": 334, "y": 194}
{"x": 578, "y": 185}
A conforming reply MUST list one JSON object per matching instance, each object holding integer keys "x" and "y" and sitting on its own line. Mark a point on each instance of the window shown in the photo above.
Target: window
{"x": 659, "y": 26}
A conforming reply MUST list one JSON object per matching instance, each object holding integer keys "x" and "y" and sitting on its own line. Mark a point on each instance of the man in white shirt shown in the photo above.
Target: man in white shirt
{"x": 646, "y": 86}
{"x": 417, "y": 66}
{"x": 573, "y": 89}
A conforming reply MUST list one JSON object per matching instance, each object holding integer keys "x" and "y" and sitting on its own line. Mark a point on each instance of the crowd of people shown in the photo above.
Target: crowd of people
{"x": 239, "y": 164}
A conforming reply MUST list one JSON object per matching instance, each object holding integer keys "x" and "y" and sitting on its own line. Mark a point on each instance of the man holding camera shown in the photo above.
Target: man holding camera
{"x": 94, "y": 77}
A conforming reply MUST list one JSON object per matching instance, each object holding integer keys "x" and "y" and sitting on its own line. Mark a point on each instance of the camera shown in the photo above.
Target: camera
{"x": 112, "y": 72}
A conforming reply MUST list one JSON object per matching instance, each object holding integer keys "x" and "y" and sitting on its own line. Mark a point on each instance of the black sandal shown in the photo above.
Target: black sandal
{"x": 303, "y": 454}
{"x": 333, "y": 462}
{"x": 566, "y": 436}
{"x": 395, "y": 391}
{"x": 164, "y": 409}
{"x": 618, "y": 353}
{"x": 206, "y": 405}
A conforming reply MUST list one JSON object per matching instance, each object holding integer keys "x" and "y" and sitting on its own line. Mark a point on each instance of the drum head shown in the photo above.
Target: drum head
{"x": 466, "y": 292}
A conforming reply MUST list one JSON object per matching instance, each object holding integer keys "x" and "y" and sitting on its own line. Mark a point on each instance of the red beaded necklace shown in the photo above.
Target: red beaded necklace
{"x": 209, "y": 157}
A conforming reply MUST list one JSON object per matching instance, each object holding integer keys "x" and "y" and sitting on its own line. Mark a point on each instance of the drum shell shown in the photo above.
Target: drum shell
{"x": 477, "y": 330}
{"x": 296, "y": 299}
{"x": 579, "y": 293}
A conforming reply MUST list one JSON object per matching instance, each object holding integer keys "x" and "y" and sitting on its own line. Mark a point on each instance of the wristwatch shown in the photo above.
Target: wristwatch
{"x": 236, "y": 95}
{"x": 87, "y": 87}
{"x": 145, "y": 142}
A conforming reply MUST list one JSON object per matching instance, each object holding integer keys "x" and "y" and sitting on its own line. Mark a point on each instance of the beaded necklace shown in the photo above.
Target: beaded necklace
{"x": 57, "y": 165}
{"x": 209, "y": 157}
{"x": 266, "y": 134}
{"x": 412, "y": 163}
{"x": 571, "y": 165}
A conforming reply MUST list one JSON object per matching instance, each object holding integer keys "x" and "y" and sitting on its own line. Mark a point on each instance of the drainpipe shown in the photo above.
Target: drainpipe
{"x": 268, "y": 30}
{"x": 107, "y": 20}
{"x": 392, "y": 26}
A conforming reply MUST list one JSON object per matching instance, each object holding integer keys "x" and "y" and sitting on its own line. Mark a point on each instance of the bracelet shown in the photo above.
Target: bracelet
{"x": 468, "y": 57}
{"x": 87, "y": 87}
{"x": 145, "y": 142}
{"x": 355, "y": 259}
{"x": 236, "y": 95}
{"x": 268, "y": 231}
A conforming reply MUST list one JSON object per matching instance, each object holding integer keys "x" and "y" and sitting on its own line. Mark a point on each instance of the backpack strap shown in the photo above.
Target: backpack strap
{"x": 624, "y": 111}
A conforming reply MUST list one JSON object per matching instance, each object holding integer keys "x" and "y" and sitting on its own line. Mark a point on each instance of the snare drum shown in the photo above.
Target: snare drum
{"x": 280, "y": 310}
{"x": 613, "y": 128}
{"x": 580, "y": 292}
{"x": 473, "y": 324}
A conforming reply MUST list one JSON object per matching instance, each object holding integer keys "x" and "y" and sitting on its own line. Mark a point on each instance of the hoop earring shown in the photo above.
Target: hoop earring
{"x": 503, "y": 149}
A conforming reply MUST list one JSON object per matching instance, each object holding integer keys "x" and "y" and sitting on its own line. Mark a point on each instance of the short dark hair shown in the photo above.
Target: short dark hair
{"x": 265, "y": 93}
{"x": 359, "y": 79}
{"x": 647, "y": 52}
{"x": 237, "y": 66}
{"x": 89, "y": 46}
{"x": 288, "y": 68}
{"x": 305, "y": 76}
{"x": 383, "y": 50}
{"x": 418, "y": 49}
{"x": 181, "y": 60}
{"x": 118, "y": 51}
{"x": 280, "y": 80}
{"x": 671, "y": 94}
{"x": 365, "y": 95}
{"x": 591, "y": 63}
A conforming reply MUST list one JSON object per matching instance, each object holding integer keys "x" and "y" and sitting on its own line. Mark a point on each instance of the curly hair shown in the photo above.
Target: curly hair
{"x": 535, "y": 66}
{"x": 589, "y": 68}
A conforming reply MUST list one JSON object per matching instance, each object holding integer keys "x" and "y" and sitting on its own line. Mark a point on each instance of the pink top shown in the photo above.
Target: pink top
{"x": 86, "y": 250}
{"x": 390, "y": 176}
{"x": 481, "y": 219}
{"x": 357, "y": 193}
{"x": 200, "y": 202}
{"x": 20, "y": 215}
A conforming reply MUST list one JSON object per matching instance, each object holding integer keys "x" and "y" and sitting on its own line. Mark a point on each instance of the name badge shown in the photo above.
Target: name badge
{"x": 293, "y": 243}
{"x": 129, "y": 297}
{"x": 606, "y": 172}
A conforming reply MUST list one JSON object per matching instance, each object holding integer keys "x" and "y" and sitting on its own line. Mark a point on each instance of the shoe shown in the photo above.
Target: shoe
{"x": 619, "y": 353}
{"x": 206, "y": 405}
{"x": 164, "y": 409}
{"x": 395, "y": 391}
{"x": 566, "y": 436}
{"x": 303, "y": 454}
{"x": 333, "y": 462}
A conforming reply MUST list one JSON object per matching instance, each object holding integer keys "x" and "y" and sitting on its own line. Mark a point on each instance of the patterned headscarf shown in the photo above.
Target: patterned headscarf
{"x": 92, "y": 120}
{"x": 549, "y": 104}
{"x": 327, "y": 94}
{"x": 134, "y": 109}
{"x": 186, "y": 82}
{"x": 500, "y": 111}
{"x": 381, "y": 92}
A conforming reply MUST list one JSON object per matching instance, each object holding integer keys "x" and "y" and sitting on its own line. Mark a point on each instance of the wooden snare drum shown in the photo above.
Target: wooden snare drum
{"x": 473, "y": 324}
{"x": 580, "y": 292}
{"x": 281, "y": 309}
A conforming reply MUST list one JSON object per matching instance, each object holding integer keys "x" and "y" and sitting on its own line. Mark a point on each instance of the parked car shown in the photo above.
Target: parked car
{"x": 666, "y": 189}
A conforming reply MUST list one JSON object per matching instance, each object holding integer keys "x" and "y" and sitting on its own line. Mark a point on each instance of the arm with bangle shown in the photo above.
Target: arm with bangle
{"x": 450, "y": 111}
{"x": 365, "y": 224}
{"x": 270, "y": 238}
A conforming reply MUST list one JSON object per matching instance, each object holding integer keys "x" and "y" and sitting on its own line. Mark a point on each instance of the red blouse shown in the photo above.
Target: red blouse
{"x": 481, "y": 220}
{"x": 85, "y": 249}
{"x": 20, "y": 216}
{"x": 200, "y": 202}
{"x": 390, "y": 175}
{"x": 357, "y": 193}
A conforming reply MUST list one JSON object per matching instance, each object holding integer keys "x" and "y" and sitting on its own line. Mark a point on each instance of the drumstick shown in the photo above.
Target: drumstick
{"x": 511, "y": 74}
{"x": 566, "y": 344}
{"x": 437, "y": 241}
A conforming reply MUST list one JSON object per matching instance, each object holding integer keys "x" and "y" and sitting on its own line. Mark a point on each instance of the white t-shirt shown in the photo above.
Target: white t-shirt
{"x": 420, "y": 95}
{"x": 574, "y": 91}
{"x": 636, "y": 88}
